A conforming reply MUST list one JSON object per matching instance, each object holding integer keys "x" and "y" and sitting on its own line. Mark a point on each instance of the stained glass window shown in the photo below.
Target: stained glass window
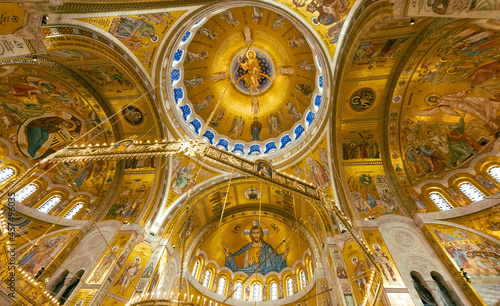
{"x": 440, "y": 201}
{"x": 495, "y": 173}
{"x": 25, "y": 192}
{"x": 73, "y": 211}
{"x": 238, "y": 290}
{"x": 256, "y": 292}
{"x": 206, "y": 280}
{"x": 289, "y": 286}
{"x": 302, "y": 279}
{"x": 49, "y": 204}
{"x": 471, "y": 192}
{"x": 195, "y": 268}
{"x": 6, "y": 173}
{"x": 221, "y": 289}
{"x": 274, "y": 291}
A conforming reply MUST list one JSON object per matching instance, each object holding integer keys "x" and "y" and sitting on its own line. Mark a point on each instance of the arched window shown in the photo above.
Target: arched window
{"x": 274, "y": 291}
{"x": 471, "y": 192}
{"x": 196, "y": 267}
{"x": 221, "y": 289}
{"x": 6, "y": 173}
{"x": 440, "y": 201}
{"x": 256, "y": 292}
{"x": 73, "y": 211}
{"x": 206, "y": 280}
{"x": 289, "y": 286}
{"x": 25, "y": 192}
{"x": 495, "y": 173}
{"x": 238, "y": 290}
{"x": 49, "y": 204}
{"x": 302, "y": 279}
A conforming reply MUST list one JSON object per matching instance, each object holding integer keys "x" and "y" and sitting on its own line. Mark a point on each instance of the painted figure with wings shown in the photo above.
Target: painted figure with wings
{"x": 480, "y": 107}
{"x": 274, "y": 124}
{"x": 237, "y": 127}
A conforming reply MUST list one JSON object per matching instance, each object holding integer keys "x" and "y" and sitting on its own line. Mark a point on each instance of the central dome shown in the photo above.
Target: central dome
{"x": 252, "y": 75}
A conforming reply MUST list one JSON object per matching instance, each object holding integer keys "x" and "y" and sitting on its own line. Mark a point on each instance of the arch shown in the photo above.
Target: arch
{"x": 75, "y": 281}
{"x": 59, "y": 282}
{"x": 442, "y": 289}
{"x": 424, "y": 294}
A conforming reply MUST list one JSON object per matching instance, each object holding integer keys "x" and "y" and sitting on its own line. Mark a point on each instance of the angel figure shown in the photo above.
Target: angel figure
{"x": 480, "y": 107}
{"x": 196, "y": 81}
{"x": 208, "y": 33}
{"x": 256, "y": 15}
{"x": 278, "y": 22}
{"x": 255, "y": 106}
{"x": 247, "y": 33}
{"x": 306, "y": 66}
{"x": 228, "y": 16}
{"x": 293, "y": 111}
{"x": 237, "y": 127}
{"x": 191, "y": 56}
{"x": 286, "y": 70}
{"x": 218, "y": 117}
{"x": 218, "y": 76}
{"x": 204, "y": 103}
{"x": 274, "y": 124}
{"x": 295, "y": 42}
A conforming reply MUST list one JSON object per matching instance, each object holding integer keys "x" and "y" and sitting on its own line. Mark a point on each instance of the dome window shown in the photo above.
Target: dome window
{"x": 495, "y": 173}
{"x": 73, "y": 211}
{"x": 221, "y": 289}
{"x": 207, "y": 278}
{"x": 6, "y": 173}
{"x": 274, "y": 291}
{"x": 256, "y": 292}
{"x": 471, "y": 192}
{"x": 289, "y": 286}
{"x": 238, "y": 290}
{"x": 49, "y": 204}
{"x": 440, "y": 201}
{"x": 25, "y": 192}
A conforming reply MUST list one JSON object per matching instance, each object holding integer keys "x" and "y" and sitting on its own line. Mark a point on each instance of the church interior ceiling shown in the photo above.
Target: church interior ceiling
{"x": 378, "y": 112}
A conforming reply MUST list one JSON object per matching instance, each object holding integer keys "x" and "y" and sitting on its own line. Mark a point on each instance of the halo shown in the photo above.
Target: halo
{"x": 428, "y": 99}
{"x": 115, "y": 248}
{"x": 154, "y": 38}
{"x": 248, "y": 52}
{"x": 352, "y": 259}
{"x": 246, "y": 232}
{"x": 48, "y": 108}
{"x": 73, "y": 125}
{"x": 375, "y": 244}
{"x": 137, "y": 259}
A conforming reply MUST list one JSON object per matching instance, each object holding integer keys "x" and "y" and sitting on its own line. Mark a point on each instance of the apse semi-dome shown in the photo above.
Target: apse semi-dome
{"x": 248, "y": 79}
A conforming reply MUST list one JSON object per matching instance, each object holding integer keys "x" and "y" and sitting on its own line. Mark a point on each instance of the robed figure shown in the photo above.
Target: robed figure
{"x": 257, "y": 255}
